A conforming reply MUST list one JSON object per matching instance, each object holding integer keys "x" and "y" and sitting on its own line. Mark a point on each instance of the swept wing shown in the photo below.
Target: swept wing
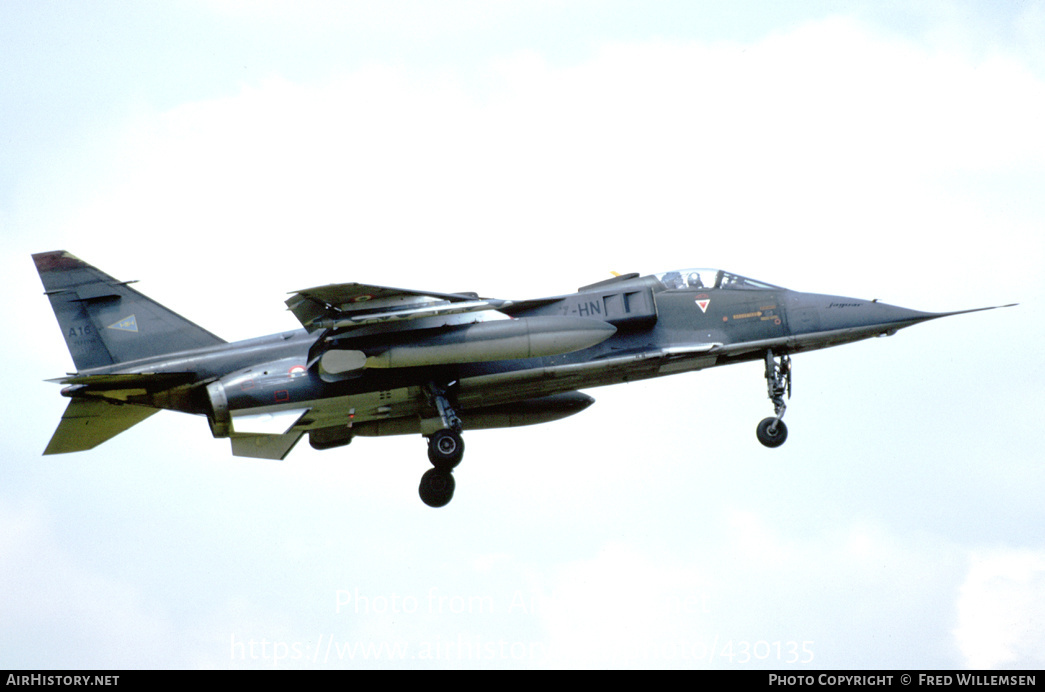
{"x": 346, "y": 306}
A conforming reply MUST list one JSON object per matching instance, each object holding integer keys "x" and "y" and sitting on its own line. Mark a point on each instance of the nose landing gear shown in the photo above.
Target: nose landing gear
{"x": 771, "y": 431}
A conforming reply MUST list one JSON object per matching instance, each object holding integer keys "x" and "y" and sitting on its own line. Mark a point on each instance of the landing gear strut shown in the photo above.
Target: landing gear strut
{"x": 771, "y": 431}
{"x": 445, "y": 450}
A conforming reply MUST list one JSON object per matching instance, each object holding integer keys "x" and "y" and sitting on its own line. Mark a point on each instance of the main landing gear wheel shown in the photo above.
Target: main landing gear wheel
{"x": 445, "y": 450}
{"x": 772, "y": 432}
{"x": 437, "y": 488}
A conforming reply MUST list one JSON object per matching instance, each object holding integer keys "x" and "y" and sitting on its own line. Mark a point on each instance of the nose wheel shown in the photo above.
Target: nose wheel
{"x": 771, "y": 431}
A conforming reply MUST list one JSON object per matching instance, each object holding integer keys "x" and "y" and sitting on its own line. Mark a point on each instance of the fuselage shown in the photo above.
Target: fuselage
{"x": 662, "y": 327}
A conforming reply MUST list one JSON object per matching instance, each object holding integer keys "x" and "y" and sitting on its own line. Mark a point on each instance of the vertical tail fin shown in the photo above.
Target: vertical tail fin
{"x": 106, "y": 322}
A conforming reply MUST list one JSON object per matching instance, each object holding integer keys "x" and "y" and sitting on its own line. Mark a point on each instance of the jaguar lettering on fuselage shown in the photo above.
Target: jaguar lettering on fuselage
{"x": 374, "y": 360}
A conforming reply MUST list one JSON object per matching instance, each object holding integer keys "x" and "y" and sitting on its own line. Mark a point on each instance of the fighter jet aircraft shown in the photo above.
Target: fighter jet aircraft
{"x": 374, "y": 360}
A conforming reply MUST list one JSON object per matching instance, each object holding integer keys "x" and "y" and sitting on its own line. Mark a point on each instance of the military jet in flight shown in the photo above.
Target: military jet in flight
{"x": 375, "y": 360}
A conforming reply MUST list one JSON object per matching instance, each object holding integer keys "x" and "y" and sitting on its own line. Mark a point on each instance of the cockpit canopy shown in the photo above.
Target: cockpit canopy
{"x": 709, "y": 278}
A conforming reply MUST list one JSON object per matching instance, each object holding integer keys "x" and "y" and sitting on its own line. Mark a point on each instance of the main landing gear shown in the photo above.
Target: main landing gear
{"x": 771, "y": 431}
{"x": 445, "y": 451}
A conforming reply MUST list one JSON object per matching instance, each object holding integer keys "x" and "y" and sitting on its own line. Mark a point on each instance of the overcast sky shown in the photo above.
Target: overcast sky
{"x": 225, "y": 153}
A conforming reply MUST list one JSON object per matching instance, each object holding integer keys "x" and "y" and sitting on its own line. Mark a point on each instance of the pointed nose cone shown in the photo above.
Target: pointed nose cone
{"x": 872, "y": 314}
{"x": 818, "y": 320}
{"x": 813, "y": 312}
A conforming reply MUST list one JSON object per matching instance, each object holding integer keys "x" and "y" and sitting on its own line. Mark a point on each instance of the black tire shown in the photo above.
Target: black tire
{"x": 445, "y": 450}
{"x": 771, "y": 438}
{"x": 437, "y": 488}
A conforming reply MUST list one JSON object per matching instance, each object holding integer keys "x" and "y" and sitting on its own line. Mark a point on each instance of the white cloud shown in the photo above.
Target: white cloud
{"x": 1001, "y": 610}
{"x": 827, "y": 134}
{"x": 59, "y": 608}
{"x": 754, "y": 593}
{"x": 623, "y": 608}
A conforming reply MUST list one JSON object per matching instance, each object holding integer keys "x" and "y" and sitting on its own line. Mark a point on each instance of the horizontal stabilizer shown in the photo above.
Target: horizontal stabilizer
{"x": 152, "y": 382}
{"x": 87, "y": 423}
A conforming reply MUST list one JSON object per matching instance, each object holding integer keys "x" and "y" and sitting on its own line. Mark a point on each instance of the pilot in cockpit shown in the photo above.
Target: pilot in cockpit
{"x": 694, "y": 280}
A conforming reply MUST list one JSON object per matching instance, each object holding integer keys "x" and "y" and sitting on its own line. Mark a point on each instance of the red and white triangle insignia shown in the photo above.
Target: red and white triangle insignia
{"x": 703, "y": 303}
